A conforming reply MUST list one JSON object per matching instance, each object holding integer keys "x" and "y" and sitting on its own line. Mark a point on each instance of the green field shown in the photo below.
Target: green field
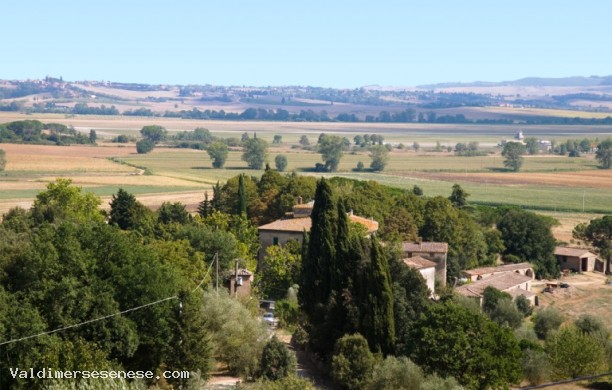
{"x": 195, "y": 166}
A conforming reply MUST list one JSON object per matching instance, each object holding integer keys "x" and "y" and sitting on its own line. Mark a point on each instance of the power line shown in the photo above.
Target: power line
{"x": 110, "y": 315}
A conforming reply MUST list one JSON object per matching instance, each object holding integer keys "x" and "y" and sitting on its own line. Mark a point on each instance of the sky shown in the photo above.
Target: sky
{"x": 333, "y": 43}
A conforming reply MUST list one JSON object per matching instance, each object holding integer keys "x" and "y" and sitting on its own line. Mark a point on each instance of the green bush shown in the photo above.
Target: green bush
{"x": 524, "y": 305}
{"x": 574, "y": 354}
{"x": 547, "y": 320}
{"x": 352, "y": 363}
{"x": 144, "y": 146}
{"x": 536, "y": 366}
{"x": 277, "y": 361}
{"x": 396, "y": 373}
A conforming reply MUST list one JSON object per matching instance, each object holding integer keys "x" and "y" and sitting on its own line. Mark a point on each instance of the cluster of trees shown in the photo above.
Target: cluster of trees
{"x": 468, "y": 150}
{"x": 64, "y": 262}
{"x": 36, "y": 132}
{"x": 151, "y": 136}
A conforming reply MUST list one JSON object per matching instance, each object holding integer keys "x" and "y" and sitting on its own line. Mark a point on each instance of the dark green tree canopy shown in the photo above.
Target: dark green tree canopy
{"x": 604, "y": 154}
{"x": 218, "y": 152}
{"x": 281, "y": 162}
{"x": 154, "y": 133}
{"x": 513, "y": 152}
{"x": 331, "y": 148}
{"x": 255, "y": 152}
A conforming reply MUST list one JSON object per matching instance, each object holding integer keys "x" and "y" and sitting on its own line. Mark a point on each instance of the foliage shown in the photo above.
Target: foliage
{"x": 352, "y": 362}
{"x": 574, "y": 354}
{"x": 304, "y": 140}
{"x": 513, "y": 152}
{"x": 173, "y": 213}
{"x": 280, "y": 161}
{"x": 241, "y": 205}
{"x": 418, "y": 191}
{"x": 290, "y": 382}
{"x": 458, "y": 197}
{"x": 380, "y": 157}
{"x": 396, "y": 373}
{"x": 237, "y": 336}
{"x": 331, "y": 148}
{"x": 154, "y": 133}
{"x": 528, "y": 236}
{"x": 144, "y": 146}
{"x": 360, "y": 166}
{"x": 524, "y": 305}
{"x": 128, "y": 213}
{"x": 536, "y": 366}
{"x": 2, "y": 160}
{"x": 218, "y": 151}
{"x": 491, "y": 298}
{"x": 592, "y": 325}
{"x": 255, "y": 152}
{"x": 599, "y": 233}
{"x": 604, "y": 154}
{"x": 62, "y": 201}
{"x": 547, "y": 320}
{"x": 453, "y": 341}
{"x": 506, "y": 313}
{"x": 277, "y": 361}
{"x": 279, "y": 270}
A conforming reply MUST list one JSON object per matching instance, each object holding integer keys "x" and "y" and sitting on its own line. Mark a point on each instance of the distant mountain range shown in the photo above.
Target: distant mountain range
{"x": 575, "y": 81}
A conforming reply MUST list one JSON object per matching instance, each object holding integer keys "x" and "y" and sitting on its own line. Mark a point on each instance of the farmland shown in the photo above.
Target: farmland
{"x": 546, "y": 182}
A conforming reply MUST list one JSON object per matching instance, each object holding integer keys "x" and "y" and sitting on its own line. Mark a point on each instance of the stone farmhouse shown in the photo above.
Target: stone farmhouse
{"x": 514, "y": 279}
{"x": 433, "y": 251}
{"x": 579, "y": 260}
{"x": 486, "y": 272}
{"x": 427, "y": 268}
{"x": 294, "y": 224}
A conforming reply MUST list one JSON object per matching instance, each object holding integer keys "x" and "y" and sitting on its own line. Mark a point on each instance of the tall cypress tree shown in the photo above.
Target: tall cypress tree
{"x": 378, "y": 324}
{"x": 316, "y": 283}
{"x": 241, "y": 207}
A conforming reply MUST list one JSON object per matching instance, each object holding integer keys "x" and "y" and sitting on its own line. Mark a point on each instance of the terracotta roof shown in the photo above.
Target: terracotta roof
{"x": 574, "y": 252}
{"x": 425, "y": 247}
{"x": 501, "y": 268}
{"x": 417, "y": 262}
{"x": 242, "y": 272}
{"x": 289, "y": 225}
{"x": 501, "y": 282}
{"x": 301, "y": 224}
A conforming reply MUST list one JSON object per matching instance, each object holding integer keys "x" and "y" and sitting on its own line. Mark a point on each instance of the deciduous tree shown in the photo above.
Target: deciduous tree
{"x": 513, "y": 152}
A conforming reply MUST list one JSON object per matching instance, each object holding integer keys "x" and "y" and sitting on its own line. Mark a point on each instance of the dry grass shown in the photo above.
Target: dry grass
{"x": 57, "y": 159}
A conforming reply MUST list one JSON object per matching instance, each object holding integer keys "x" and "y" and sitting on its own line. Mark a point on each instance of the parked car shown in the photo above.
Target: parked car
{"x": 269, "y": 318}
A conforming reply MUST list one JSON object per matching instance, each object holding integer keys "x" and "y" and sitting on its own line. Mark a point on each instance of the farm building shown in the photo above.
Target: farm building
{"x": 434, "y": 251}
{"x": 513, "y": 283}
{"x": 240, "y": 286}
{"x": 427, "y": 268}
{"x": 487, "y": 272}
{"x": 294, "y": 224}
{"x": 578, "y": 259}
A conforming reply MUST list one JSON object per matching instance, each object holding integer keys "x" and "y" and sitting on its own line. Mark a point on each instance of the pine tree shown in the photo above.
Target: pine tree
{"x": 204, "y": 206}
{"x": 241, "y": 208}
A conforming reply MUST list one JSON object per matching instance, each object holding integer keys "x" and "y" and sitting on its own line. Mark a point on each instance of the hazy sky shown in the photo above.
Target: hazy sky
{"x": 320, "y": 43}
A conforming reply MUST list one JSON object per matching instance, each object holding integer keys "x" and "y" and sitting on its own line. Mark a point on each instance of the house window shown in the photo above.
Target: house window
{"x": 274, "y": 240}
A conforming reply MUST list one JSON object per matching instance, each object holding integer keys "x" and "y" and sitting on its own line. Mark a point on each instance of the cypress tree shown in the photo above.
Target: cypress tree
{"x": 241, "y": 207}
{"x": 204, "y": 206}
{"x": 321, "y": 251}
{"x": 378, "y": 324}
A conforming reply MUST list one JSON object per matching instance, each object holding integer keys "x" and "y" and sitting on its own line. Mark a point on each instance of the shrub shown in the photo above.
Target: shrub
{"x": 277, "y": 361}
{"x": 287, "y": 383}
{"x": 536, "y": 366}
{"x": 360, "y": 166}
{"x": 281, "y": 162}
{"x": 352, "y": 362}
{"x": 144, "y": 146}
{"x": 434, "y": 382}
{"x": 546, "y": 320}
{"x": 524, "y": 305}
{"x": 300, "y": 338}
{"x": 506, "y": 313}
{"x": 396, "y": 373}
{"x": 592, "y": 325}
{"x": 574, "y": 354}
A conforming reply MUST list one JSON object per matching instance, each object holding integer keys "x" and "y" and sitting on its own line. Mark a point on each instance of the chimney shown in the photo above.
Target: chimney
{"x": 298, "y": 200}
